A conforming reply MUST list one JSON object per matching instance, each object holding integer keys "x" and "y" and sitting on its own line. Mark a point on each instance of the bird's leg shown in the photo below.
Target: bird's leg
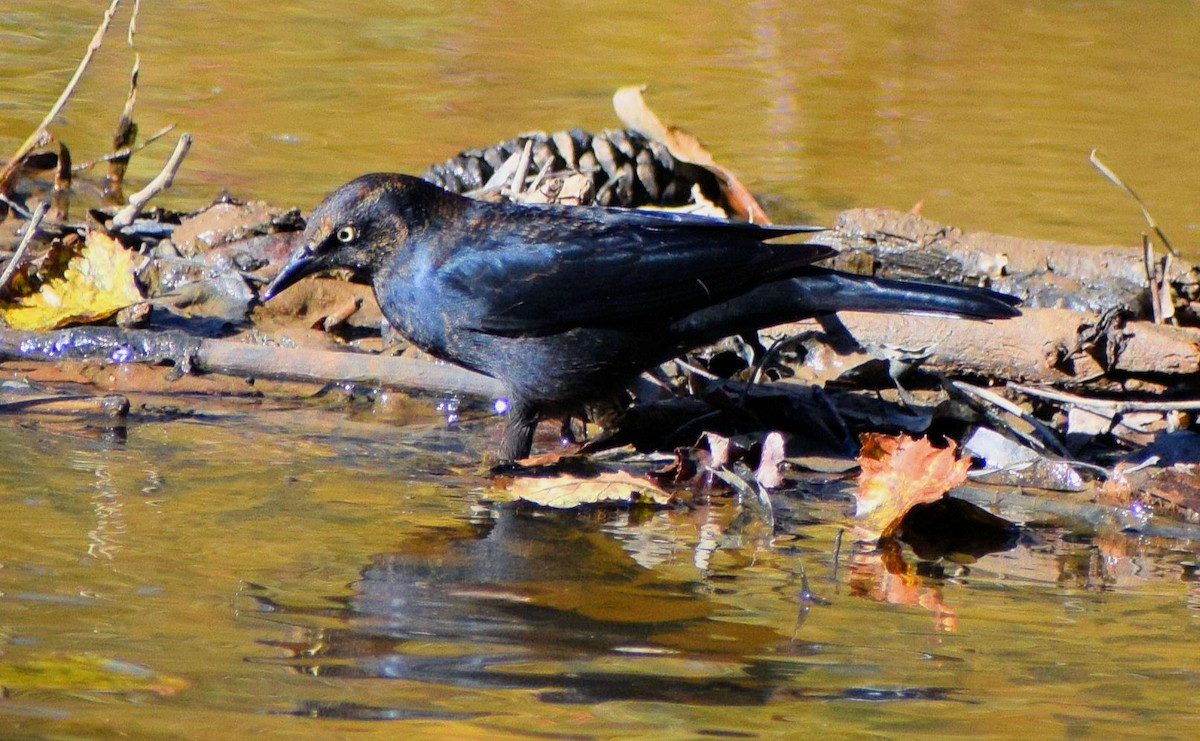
{"x": 517, "y": 440}
{"x": 567, "y": 434}
{"x": 897, "y": 367}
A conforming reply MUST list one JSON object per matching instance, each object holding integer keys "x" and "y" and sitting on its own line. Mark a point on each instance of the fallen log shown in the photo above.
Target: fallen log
{"x": 1054, "y": 347}
{"x": 114, "y": 345}
{"x": 1043, "y": 273}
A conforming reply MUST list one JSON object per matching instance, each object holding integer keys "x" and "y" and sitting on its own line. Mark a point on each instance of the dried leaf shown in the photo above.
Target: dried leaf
{"x": 770, "y": 464}
{"x": 899, "y": 472}
{"x": 631, "y": 108}
{"x": 94, "y": 284}
{"x": 565, "y": 491}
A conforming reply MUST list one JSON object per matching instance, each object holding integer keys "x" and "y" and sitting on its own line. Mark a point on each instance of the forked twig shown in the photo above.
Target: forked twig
{"x": 39, "y": 133}
{"x": 161, "y": 182}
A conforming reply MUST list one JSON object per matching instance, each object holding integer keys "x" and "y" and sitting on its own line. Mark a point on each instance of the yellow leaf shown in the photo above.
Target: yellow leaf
{"x": 899, "y": 472}
{"x": 95, "y": 284}
{"x": 565, "y": 491}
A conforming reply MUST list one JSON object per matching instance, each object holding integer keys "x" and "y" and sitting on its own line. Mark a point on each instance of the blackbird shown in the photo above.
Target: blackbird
{"x": 566, "y": 305}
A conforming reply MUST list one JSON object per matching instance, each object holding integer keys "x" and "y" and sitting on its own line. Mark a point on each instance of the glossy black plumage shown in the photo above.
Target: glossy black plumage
{"x": 566, "y": 305}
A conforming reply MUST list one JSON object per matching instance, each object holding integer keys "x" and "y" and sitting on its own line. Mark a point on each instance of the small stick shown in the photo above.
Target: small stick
{"x": 1164, "y": 292}
{"x": 161, "y": 182}
{"x": 126, "y": 151}
{"x": 541, "y": 175}
{"x": 14, "y": 164}
{"x": 837, "y": 553}
{"x": 518, "y": 181}
{"x": 1112, "y": 178}
{"x": 18, "y": 256}
{"x": 60, "y": 197}
{"x": 72, "y": 404}
{"x": 1105, "y": 405}
{"x": 696, "y": 370}
{"x": 137, "y": 5}
{"x": 123, "y": 138}
{"x": 1151, "y": 281}
{"x": 1047, "y": 435}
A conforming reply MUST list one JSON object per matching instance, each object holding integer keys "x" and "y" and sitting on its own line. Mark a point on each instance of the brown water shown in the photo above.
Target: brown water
{"x": 321, "y": 573}
{"x": 985, "y": 115}
{"x": 318, "y": 573}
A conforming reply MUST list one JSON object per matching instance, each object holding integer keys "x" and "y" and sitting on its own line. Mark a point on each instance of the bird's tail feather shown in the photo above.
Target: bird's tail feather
{"x": 817, "y": 291}
{"x": 833, "y": 291}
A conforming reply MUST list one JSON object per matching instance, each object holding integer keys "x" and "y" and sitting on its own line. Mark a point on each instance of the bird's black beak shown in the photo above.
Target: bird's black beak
{"x": 299, "y": 265}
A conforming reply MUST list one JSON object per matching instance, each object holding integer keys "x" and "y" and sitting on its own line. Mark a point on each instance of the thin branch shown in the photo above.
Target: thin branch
{"x": 1047, "y": 435}
{"x": 1108, "y": 406}
{"x": 518, "y": 181}
{"x": 18, "y": 255}
{"x": 127, "y": 151}
{"x": 60, "y": 196}
{"x": 137, "y": 5}
{"x": 1151, "y": 280}
{"x": 39, "y": 133}
{"x": 123, "y": 137}
{"x": 161, "y": 182}
{"x": 1112, "y": 178}
{"x": 1167, "y": 307}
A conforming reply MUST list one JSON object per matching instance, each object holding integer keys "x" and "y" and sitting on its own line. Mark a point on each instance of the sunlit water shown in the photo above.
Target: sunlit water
{"x": 318, "y": 574}
{"x": 307, "y": 573}
{"x": 985, "y": 114}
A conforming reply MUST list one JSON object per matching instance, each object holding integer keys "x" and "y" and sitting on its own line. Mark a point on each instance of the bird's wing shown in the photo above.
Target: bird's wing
{"x": 532, "y": 271}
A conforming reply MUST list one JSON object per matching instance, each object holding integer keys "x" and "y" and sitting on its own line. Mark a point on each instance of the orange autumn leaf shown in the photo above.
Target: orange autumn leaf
{"x": 899, "y": 472}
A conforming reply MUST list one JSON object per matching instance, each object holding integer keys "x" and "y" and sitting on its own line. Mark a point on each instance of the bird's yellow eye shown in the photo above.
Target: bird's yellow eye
{"x": 347, "y": 234}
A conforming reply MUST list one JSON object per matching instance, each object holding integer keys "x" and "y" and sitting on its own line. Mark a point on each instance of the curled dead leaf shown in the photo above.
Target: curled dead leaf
{"x": 770, "y": 464}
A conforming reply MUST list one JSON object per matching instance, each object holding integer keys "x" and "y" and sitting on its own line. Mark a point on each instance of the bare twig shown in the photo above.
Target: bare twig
{"x": 518, "y": 181}
{"x": 112, "y": 405}
{"x": 161, "y": 182}
{"x": 1107, "y": 406}
{"x": 1167, "y": 307}
{"x": 696, "y": 370}
{"x": 137, "y": 5}
{"x": 38, "y": 135}
{"x": 1151, "y": 280}
{"x": 18, "y": 255}
{"x": 1112, "y": 178}
{"x": 537, "y": 181}
{"x": 123, "y": 138}
{"x": 60, "y": 196}
{"x": 1048, "y": 438}
{"x": 126, "y": 151}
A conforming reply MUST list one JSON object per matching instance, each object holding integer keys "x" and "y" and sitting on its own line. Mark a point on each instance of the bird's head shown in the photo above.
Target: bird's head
{"x": 357, "y": 226}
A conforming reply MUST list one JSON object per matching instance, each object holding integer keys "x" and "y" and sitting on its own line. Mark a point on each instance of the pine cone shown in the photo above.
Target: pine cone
{"x": 625, "y": 168}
